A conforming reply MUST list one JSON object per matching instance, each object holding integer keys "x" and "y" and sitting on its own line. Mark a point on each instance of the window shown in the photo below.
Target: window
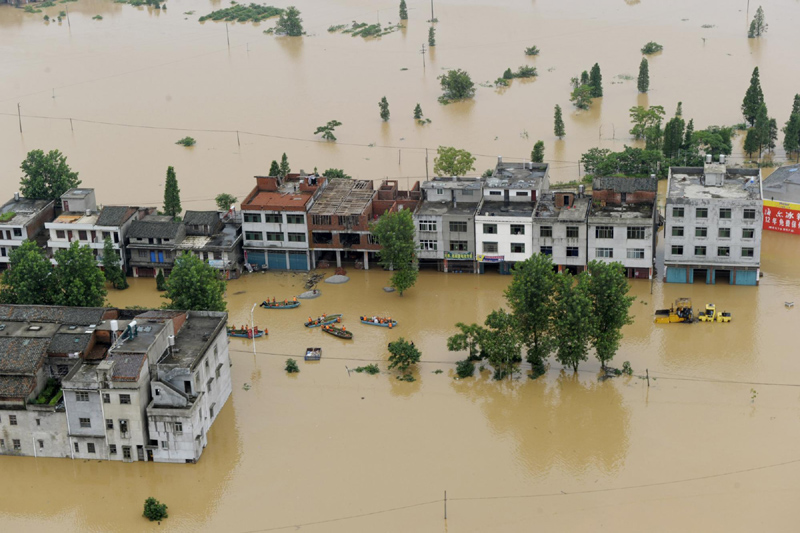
{"x": 700, "y": 251}
{"x": 206, "y": 363}
{"x": 725, "y": 233}
{"x": 517, "y": 229}
{"x": 749, "y": 214}
{"x": 427, "y": 225}
{"x": 677, "y": 250}
{"x": 467, "y": 192}
{"x": 458, "y": 246}
{"x": 76, "y": 447}
{"x": 604, "y": 232}
{"x": 297, "y": 237}
{"x": 701, "y": 212}
{"x": 17, "y": 444}
{"x": 123, "y": 428}
{"x": 142, "y": 254}
{"x": 573, "y": 251}
{"x": 701, "y": 231}
{"x": 295, "y": 219}
{"x": 179, "y": 428}
{"x": 126, "y": 452}
{"x": 109, "y": 423}
{"x": 604, "y": 252}
{"x": 273, "y": 218}
{"x": 164, "y": 445}
{"x": 430, "y": 246}
{"x": 85, "y": 422}
{"x": 748, "y": 233}
{"x": 106, "y": 398}
{"x": 82, "y": 235}
{"x": 677, "y": 212}
{"x": 522, "y": 193}
{"x": 81, "y": 396}
{"x": 677, "y": 231}
{"x": 572, "y": 232}
{"x": 495, "y": 193}
{"x": 635, "y": 253}
{"x": 725, "y": 212}
{"x": 41, "y": 444}
{"x": 321, "y": 220}
{"x": 460, "y": 227}
{"x": 490, "y": 229}
{"x": 112, "y": 449}
{"x": 38, "y": 421}
{"x": 546, "y": 250}
{"x": 217, "y": 370}
{"x": 125, "y": 399}
{"x": 3, "y": 443}
{"x": 274, "y": 236}
{"x": 211, "y": 411}
{"x": 517, "y": 247}
{"x": 90, "y": 447}
{"x": 439, "y": 191}
{"x": 546, "y": 231}
{"x": 12, "y": 420}
{"x": 60, "y": 234}
{"x": 490, "y": 247}
{"x": 252, "y": 217}
{"x": 209, "y": 385}
{"x": 636, "y": 232}
{"x": 248, "y": 236}
{"x": 748, "y": 252}
{"x": 723, "y": 251}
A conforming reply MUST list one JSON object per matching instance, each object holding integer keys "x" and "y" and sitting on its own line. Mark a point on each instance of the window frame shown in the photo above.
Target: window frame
{"x": 676, "y": 210}
{"x": 490, "y": 247}
{"x": 124, "y": 399}
{"x": 458, "y": 224}
{"x": 546, "y": 231}
{"x": 681, "y": 229}
{"x": 704, "y": 249}
{"x": 573, "y": 229}
{"x": 638, "y": 233}
{"x": 701, "y": 212}
{"x": 517, "y": 247}
{"x": 604, "y": 232}
{"x": 676, "y": 249}
{"x": 604, "y": 253}
{"x": 489, "y": 227}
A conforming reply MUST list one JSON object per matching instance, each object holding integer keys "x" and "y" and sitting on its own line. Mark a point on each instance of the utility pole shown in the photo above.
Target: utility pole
{"x": 19, "y": 116}
{"x": 69, "y": 24}
{"x": 227, "y": 36}
{"x": 445, "y": 505}
{"x": 70, "y": 126}
{"x": 423, "y": 56}
{"x": 433, "y": 18}
{"x": 426, "y": 161}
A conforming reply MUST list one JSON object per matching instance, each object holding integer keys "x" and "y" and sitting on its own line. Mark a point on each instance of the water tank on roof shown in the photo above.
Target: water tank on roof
{"x": 114, "y": 325}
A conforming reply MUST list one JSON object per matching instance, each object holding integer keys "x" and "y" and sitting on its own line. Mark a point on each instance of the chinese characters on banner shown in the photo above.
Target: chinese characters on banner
{"x": 781, "y": 217}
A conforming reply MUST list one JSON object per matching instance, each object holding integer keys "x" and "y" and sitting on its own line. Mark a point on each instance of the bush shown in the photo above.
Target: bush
{"x": 161, "y": 283}
{"x": 532, "y": 51}
{"x": 291, "y": 366}
{"x": 465, "y": 369}
{"x": 187, "y": 141}
{"x": 456, "y": 85}
{"x": 537, "y": 369}
{"x": 242, "y": 13}
{"x": 155, "y": 510}
{"x": 5, "y": 217}
{"x": 626, "y": 368}
{"x": 369, "y": 369}
{"x": 651, "y": 48}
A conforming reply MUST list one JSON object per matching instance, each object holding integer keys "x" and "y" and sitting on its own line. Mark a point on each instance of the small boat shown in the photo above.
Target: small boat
{"x": 246, "y": 333}
{"x": 324, "y": 320}
{"x": 379, "y": 321}
{"x": 337, "y": 332}
{"x": 313, "y": 354}
{"x": 286, "y": 304}
{"x": 789, "y": 304}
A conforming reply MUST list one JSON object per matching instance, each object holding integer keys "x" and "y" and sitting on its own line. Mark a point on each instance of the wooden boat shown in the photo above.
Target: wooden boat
{"x": 279, "y": 305}
{"x": 313, "y": 354}
{"x": 337, "y": 332}
{"x": 246, "y": 333}
{"x": 322, "y": 321}
{"x": 381, "y": 322}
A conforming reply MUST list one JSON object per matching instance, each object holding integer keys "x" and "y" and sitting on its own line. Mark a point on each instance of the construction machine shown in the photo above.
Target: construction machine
{"x": 681, "y": 311}
{"x": 711, "y": 315}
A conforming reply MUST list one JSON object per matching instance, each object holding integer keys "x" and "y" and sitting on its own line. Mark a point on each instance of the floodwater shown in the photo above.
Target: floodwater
{"x": 333, "y": 450}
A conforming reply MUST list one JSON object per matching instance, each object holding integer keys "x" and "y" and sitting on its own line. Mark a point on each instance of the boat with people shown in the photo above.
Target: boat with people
{"x": 323, "y": 320}
{"x": 286, "y": 304}
{"x": 246, "y": 333}
{"x": 383, "y": 322}
{"x": 341, "y": 332}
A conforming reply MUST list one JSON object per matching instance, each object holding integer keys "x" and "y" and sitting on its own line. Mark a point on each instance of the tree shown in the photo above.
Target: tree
{"x": 78, "y": 281}
{"x": 751, "y": 142}
{"x": 673, "y": 137}
{"x": 327, "y": 130}
{"x": 772, "y": 141}
{"x": 395, "y": 232}
{"x": 172, "y": 195}
{"x": 758, "y": 26}
{"x": 529, "y": 295}
{"x": 581, "y": 96}
{"x": 154, "y": 510}
{"x": 584, "y": 78}
{"x": 291, "y": 366}
{"x": 332, "y": 173}
{"x": 644, "y": 76}
{"x": 161, "y": 281}
{"x": 275, "y": 169}
{"x": 468, "y": 339}
{"x": 596, "y": 81}
{"x": 537, "y": 154}
{"x": 558, "y": 123}
{"x": 796, "y": 104}
{"x": 647, "y": 124}
{"x": 418, "y": 112}
{"x": 432, "y": 36}
{"x": 46, "y": 177}
{"x": 688, "y": 136}
{"x": 403, "y": 10}
{"x": 29, "y": 279}
{"x": 651, "y": 48}
{"x": 111, "y": 266}
{"x": 502, "y": 343}
{"x": 456, "y": 85}
{"x": 225, "y": 201}
{"x": 762, "y": 126}
{"x": 384, "y": 107}
{"x": 753, "y": 98}
{"x": 714, "y": 140}
{"x": 608, "y": 292}
{"x": 791, "y": 134}
{"x": 284, "y": 168}
{"x": 402, "y": 356}
{"x": 452, "y": 162}
{"x": 290, "y": 22}
{"x": 194, "y": 286}
{"x": 572, "y": 320}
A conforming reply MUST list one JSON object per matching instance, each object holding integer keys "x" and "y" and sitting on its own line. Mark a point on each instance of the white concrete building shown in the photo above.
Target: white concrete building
{"x": 21, "y": 219}
{"x": 559, "y": 229}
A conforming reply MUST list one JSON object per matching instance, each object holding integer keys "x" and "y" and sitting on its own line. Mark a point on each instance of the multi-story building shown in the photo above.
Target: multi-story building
{"x": 274, "y": 221}
{"x": 216, "y": 239}
{"x": 153, "y": 243}
{"x": 504, "y": 222}
{"x": 782, "y": 200}
{"x": 559, "y": 229}
{"x": 623, "y": 223}
{"x": 21, "y": 219}
{"x": 445, "y": 222}
{"x": 713, "y": 224}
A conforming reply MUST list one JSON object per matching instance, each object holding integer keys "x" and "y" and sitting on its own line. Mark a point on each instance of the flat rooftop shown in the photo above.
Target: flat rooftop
{"x": 145, "y": 336}
{"x": 510, "y": 209}
{"x": 77, "y": 217}
{"x": 546, "y": 209}
{"x": 279, "y": 201}
{"x": 643, "y": 211}
{"x": 223, "y": 240}
{"x": 474, "y": 184}
{"x": 521, "y": 175}
{"x": 447, "y": 208}
{"x": 739, "y": 184}
{"x": 344, "y": 197}
{"x": 783, "y": 185}
{"x": 191, "y": 340}
{"x": 25, "y": 210}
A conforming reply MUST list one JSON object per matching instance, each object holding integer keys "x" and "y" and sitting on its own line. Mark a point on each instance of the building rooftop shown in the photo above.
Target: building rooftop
{"x": 201, "y": 218}
{"x": 624, "y": 184}
{"x": 642, "y": 211}
{"x": 439, "y": 182}
{"x": 77, "y": 316}
{"x": 25, "y": 210}
{"x": 224, "y": 240}
{"x": 288, "y": 194}
{"x": 115, "y": 215}
{"x": 546, "y": 209}
{"x": 783, "y": 185}
{"x": 447, "y": 208}
{"x": 21, "y": 355}
{"x": 690, "y": 183}
{"x": 146, "y": 333}
{"x": 77, "y": 217}
{"x": 192, "y": 340}
{"x": 77, "y": 194}
{"x": 127, "y": 366}
{"x": 66, "y": 343}
{"x": 518, "y": 175}
{"x": 16, "y": 386}
{"x": 344, "y": 197}
{"x": 510, "y": 209}
{"x": 154, "y": 226}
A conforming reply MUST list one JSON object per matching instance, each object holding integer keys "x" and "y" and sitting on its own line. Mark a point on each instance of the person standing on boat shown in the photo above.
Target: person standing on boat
{"x": 294, "y": 299}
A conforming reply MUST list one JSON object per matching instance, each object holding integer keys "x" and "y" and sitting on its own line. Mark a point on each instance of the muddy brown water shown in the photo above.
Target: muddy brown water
{"x": 693, "y": 451}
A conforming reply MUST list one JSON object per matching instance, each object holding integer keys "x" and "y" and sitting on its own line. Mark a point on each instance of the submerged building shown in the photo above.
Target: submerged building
{"x": 782, "y": 200}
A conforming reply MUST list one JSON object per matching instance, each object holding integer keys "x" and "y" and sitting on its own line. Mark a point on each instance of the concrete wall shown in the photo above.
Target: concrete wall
{"x": 134, "y": 413}
{"x": 503, "y": 237}
{"x": 284, "y": 228}
{"x": 45, "y": 438}
{"x": 468, "y": 236}
{"x": 620, "y": 244}
{"x": 560, "y": 242}
{"x": 437, "y": 236}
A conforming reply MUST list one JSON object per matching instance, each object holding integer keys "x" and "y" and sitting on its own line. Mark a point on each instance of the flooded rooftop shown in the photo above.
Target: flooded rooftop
{"x": 547, "y": 209}
{"x": 738, "y": 184}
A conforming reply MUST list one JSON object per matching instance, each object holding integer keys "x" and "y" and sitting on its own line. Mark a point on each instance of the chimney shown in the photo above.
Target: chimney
{"x": 499, "y": 159}
{"x": 16, "y": 197}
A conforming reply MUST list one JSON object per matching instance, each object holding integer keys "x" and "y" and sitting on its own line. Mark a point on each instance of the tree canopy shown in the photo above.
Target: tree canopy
{"x": 78, "y": 281}
{"x": 111, "y": 266}
{"x": 456, "y": 85}
{"x": 290, "y": 22}
{"x": 172, "y": 195}
{"x": 29, "y": 279}
{"x": 384, "y": 107}
{"x": 46, "y": 176}
{"x": 529, "y": 295}
{"x": 537, "y": 154}
{"x": 558, "y": 123}
{"x": 753, "y": 98}
{"x": 332, "y": 173}
{"x": 596, "y": 81}
{"x": 396, "y": 234}
{"x": 284, "y": 169}
{"x": 758, "y": 26}
{"x": 608, "y": 292}
{"x": 572, "y": 320}
{"x": 402, "y": 356}
{"x": 327, "y": 130}
{"x": 224, "y": 201}
{"x": 195, "y": 286}
{"x": 643, "y": 82}
{"x": 403, "y": 10}
{"x": 451, "y": 161}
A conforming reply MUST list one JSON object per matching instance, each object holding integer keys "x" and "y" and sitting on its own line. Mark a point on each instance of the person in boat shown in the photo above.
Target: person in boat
{"x": 264, "y": 303}
{"x": 310, "y": 321}
{"x": 344, "y": 328}
{"x": 273, "y": 300}
{"x": 285, "y": 301}
{"x": 374, "y": 320}
{"x": 294, "y": 299}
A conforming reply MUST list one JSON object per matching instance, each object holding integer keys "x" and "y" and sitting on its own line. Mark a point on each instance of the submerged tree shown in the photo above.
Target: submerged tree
{"x": 451, "y": 161}
{"x": 753, "y": 98}
{"x": 418, "y": 112}
{"x": 402, "y": 356}
{"x": 751, "y": 143}
{"x": 195, "y": 285}
{"x": 274, "y": 168}
{"x": 502, "y": 343}
{"x": 791, "y": 134}
{"x": 761, "y": 127}
{"x": 469, "y": 338}
{"x": 581, "y": 96}
{"x": 537, "y": 154}
{"x": 111, "y": 266}
{"x": 290, "y": 22}
{"x": 78, "y": 281}
{"x": 284, "y": 169}
{"x": 46, "y": 176}
{"x": 395, "y": 232}
{"x": 172, "y": 194}
{"x": 327, "y": 130}
{"x": 332, "y": 173}
{"x": 456, "y": 85}
{"x": 432, "y": 36}
{"x": 403, "y": 10}
{"x": 225, "y": 201}
{"x": 29, "y": 279}
{"x": 608, "y": 291}
{"x": 384, "y": 107}
{"x": 596, "y": 81}
{"x": 572, "y": 320}
{"x": 558, "y": 123}
{"x": 644, "y": 76}
{"x": 758, "y": 26}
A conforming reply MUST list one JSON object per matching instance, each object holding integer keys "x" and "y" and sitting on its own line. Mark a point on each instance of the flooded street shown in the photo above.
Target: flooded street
{"x": 710, "y": 445}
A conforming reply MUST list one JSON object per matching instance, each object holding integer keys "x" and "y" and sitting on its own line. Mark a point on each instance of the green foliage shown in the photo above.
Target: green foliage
{"x": 758, "y": 26}
{"x": 451, "y": 161}
{"x": 362, "y": 29}
{"x": 558, "y": 123}
{"x": 537, "y": 154}
{"x": 327, "y": 130}
{"x": 468, "y": 339}
{"x": 46, "y": 177}
{"x": 572, "y": 319}
{"x": 8, "y": 215}
{"x": 402, "y": 356}
{"x": 753, "y": 98}
{"x": 538, "y": 368}
{"x": 224, "y": 201}
{"x": 172, "y": 195}
{"x": 97, "y": 17}
{"x": 502, "y": 343}
{"x": 596, "y": 81}
{"x": 154, "y": 510}
{"x": 647, "y": 123}
{"x": 501, "y": 82}
{"x": 284, "y": 169}
{"x": 274, "y": 169}
{"x": 30, "y": 9}
{"x": 384, "y": 107}
{"x": 761, "y": 126}
{"x": 187, "y": 141}
{"x": 291, "y": 366}
{"x": 369, "y": 369}
{"x": 194, "y": 285}
{"x": 29, "y": 279}
{"x": 465, "y": 369}
{"x": 243, "y": 13}
{"x": 396, "y": 232}
{"x": 531, "y": 51}
{"x": 456, "y": 85}
{"x": 673, "y": 137}
{"x": 628, "y": 162}
{"x": 772, "y": 139}
{"x": 529, "y": 296}
{"x": 643, "y": 82}
{"x": 432, "y": 36}
{"x": 626, "y": 368}
{"x": 78, "y": 281}
{"x": 111, "y": 266}
{"x": 608, "y": 292}
{"x": 791, "y": 134}
{"x": 651, "y": 48}
{"x": 751, "y": 143}
{"x": 161, "y": 282}
{"x": 49, "y": 392}
{"x": 46, "y": 18}
{"x": 418, "y": 112}
{"x": 332, "y": 173}
{"x": 403, "y": 10}
{"x": 522, "y": 72}
{"x": 714, "y": 140}
{"x": 581, "y": 96}
{"x": 508, "y": 75}
{"x": 290, "y": 23}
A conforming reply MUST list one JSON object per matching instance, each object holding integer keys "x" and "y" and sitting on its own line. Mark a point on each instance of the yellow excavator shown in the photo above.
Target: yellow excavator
{"x": 712, "y": 315}
{"x": 680, "y": 312}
